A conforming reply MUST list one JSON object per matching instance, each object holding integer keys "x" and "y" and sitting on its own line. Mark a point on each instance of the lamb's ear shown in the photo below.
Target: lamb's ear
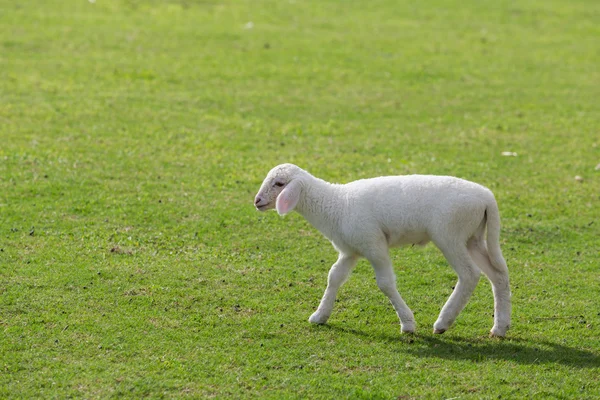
{"x": 288, "y": 198}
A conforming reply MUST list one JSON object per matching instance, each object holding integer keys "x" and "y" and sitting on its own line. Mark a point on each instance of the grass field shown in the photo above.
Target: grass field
{"x": 134, "y": 135}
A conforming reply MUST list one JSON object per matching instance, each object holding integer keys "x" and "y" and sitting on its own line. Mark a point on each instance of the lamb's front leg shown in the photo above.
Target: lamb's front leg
{"x": 386, "y": 280}
{"x": 338, "y": 274}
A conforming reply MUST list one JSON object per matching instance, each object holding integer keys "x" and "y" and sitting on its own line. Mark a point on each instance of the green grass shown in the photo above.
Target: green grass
{"x": 134, "y": 135}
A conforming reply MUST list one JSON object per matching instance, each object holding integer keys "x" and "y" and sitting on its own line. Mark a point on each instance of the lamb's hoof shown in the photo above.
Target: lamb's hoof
{"x": 317, "y": 318}
{"x": 409, "y": 328}
{"x": 439, "y": 331}
{"x": 497, "y": 332}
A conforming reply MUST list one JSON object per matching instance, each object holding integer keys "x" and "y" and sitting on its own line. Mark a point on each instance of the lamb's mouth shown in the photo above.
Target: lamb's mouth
{"x": 262, "y": 207}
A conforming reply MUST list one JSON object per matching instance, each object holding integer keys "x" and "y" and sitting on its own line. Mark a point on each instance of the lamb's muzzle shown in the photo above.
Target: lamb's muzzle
{"x": 366, "y": 217}
{"x": 261, "y": 205}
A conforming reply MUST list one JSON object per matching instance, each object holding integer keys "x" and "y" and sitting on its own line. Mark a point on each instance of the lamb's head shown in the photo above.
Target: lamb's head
{"x": 281, "y": 189}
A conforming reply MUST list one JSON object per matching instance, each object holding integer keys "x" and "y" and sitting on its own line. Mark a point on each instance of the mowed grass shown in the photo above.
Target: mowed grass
{"x": 134, "y": 135}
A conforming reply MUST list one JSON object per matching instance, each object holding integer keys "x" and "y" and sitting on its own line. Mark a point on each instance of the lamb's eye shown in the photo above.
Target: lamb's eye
{"x": 279, "y": 184}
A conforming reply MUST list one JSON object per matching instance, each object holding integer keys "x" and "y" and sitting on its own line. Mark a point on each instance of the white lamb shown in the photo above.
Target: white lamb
{"x": 366, "y": 217}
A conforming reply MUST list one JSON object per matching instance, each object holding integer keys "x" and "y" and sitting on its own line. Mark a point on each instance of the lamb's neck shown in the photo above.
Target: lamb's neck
{"x": 321, "y": 205}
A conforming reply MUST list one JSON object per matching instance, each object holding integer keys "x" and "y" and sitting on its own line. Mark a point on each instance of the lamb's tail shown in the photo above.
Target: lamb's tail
{"x": 493, "y": 237}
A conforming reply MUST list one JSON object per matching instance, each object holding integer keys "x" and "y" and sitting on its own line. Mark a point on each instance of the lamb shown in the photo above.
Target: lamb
{"x": 365, "y": 218}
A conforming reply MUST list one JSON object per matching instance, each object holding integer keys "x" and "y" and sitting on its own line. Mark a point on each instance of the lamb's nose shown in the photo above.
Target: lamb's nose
{"x": 257, "y": 200}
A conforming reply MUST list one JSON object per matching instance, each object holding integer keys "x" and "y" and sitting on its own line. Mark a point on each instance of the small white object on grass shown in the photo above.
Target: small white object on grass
{"x": 365, "y": 218}
{"x": 509, "y": 154}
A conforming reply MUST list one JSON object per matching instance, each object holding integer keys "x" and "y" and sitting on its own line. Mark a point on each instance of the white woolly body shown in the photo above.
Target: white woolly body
{"x": 365, "y": 218}
{"x": 403, "y": 210}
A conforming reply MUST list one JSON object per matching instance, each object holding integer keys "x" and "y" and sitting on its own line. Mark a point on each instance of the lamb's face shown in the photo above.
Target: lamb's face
{"x": 277, "y": 179}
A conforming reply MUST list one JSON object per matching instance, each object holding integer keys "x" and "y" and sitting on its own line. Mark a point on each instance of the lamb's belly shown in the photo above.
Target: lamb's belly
{"x": 404, "y": 239}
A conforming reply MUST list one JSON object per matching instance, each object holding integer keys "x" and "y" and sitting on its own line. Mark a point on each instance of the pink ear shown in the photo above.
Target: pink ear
{"x": 288, "y": 198}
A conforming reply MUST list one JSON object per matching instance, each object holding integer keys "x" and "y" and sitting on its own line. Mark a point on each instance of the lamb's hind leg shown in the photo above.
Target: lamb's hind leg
{"x": 338, "y": 274}
{"x": 500, "y": 286}
{"x": 468, "y": 277}
{"x": 386, "y": 281}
